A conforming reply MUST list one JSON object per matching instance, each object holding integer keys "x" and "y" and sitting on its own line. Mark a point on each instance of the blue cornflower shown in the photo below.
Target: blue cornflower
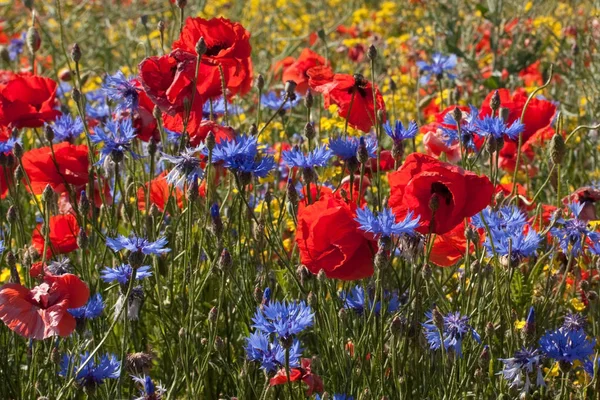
{"x": 516, "y": 244}
{"x": 218, "y": 108}
{"x": 7, "y": 146}
{"x": 440, "y": 64}
{"x": 566, "y": 345}
{"x": 67, "y": 128}
{"x": 346, "y": 148}
{"x": 148, "y": 390}
{"x": 337, "y": 396}
{"x": 522, "y": 365}
{"x": 573, "y": 233}
{"x": 316, "y": 158}
{"x": 96, "y": 106}
{"x": 384, "y": 224}
{"x": 283, "y": 319}
{"x": 93, "y": 374}
{"x": 273, "y": 101}
{"x": 2, "y": 248}
{"x": 574, "y": 322}
{"x": 91, "y": 310}
{"x": 270, "y": 355}
{"x": 240, "y": 155}
{"x": 136, "y": 244}
{"x": 266, "y": 298}
{"x": 508, "y": 218}
{"x": 122, "y": 273}
{"x": 187, "y": 166}
{"x": 496, "y": 127}
{"x": 455, "y": 327}
{"x": 468, "y": 128}
{"x": 15, "y": 47}
{"x": 588, "y": 365}
{"x": 398, "y": 133}
{"x": 356, "y": 301}
{"x": 116, "y": 141}
{"x": 121, "y": 91}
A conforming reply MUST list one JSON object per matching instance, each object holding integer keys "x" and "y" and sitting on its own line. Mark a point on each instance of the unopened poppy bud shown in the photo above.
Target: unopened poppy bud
{"x": 48, "y": 194}
{"x": 213, "y": 314}
{"x": 181, "y": 3}
{"x": 253, "y": 130}
{"x": 18, "y": 150}
{"x": 438, "y": 318}
{"x": 75, "y": 53}
{"x": 321, "y": 276}
{"x": 152, "y": 147}
{"x": 308, "y": 100}
{"x": 193, "y": 188}
{"x": 82, "y": 239}
{"x": 4, "y": 54}
{"x": 504, "y": 113}
{"x": 457, "y": 115}
{"x": 210, "y": 141}
{"x": 225, "y": 261}
{"x": 290, "y": 89}
{"x": 303, "y": 273}
{"x": 495, "y": 101}
{"x": 557, "y": 149}
{"x": 372, "y": 52}
{"x": 33, "y": 40}
{"x": 201, "y": 46}
{"x": 11, "y": 215}
{"x": 156, "y": 113}
{"x": 19, "y": 174}
{"x": 76, "y": 94}
{"x": 362, "y": 153}
{"x": 49, "y": 133}
{"x": 309, "y": 131}
{"x": 161, "y": 26}
{"x": 292, "y": 194}
{"x": 260, "y": 82}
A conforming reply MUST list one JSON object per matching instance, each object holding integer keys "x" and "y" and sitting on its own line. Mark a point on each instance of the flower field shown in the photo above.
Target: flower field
{"x": 282, "y": 199}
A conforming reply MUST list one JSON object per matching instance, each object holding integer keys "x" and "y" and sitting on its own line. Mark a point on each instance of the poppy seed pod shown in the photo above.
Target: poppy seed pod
{"x": 290, "y": 89}
{"x": 33, "y": 40}
{"x": 161, "y": 26}
{"x": 557, "y": 149}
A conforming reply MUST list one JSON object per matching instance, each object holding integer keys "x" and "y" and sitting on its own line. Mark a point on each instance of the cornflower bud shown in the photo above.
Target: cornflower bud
{"x": 18, "y": 150}
{"x": 292, "y": 194}
{"x": 362, "y": 153}
{"x": 82, "y": 239}
{"x": 75, "y": 53}
{"x": 309, "y": 131}
{"x": 210, "y": 140}
{"x": 303, "y": 273}
{"x": 495, "y": 101}
{"x": 260, "y": 82}
{"x": 372, "y": 52}
{"x": 213, "y": 314}
{"x": 201, "y": 47}
{"x": 308, "y": 100}
{"x": 225, "y": 261}
{"x": 457, "y": 115}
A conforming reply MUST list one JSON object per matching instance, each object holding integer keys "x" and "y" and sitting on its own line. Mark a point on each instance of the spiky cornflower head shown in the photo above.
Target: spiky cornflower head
{"x": 93, "y": 373}
{"x": 67, "y": 128}
{"x": 574, "y": 322}
{"x": 346, "y": 148}
{"x": 455, "y": 328}
{"x": 498, "y": 128}
{"x": 138, "y": 245}
{"x": 517, "y": 245}
{"x": 122, "y": 273}
{"x": 240, "y": 155}
{"x": 356, "y": 301}
{"x": 567, "y": 346}
{"x": 271, "y": 356}
{"x": 186, "y": 166}
{"x": 319, "y": 157}
{"x": 93, "y": 308}
{"x": 398, "y": 133}
{"x": 121, "y": 91}
{"x": 60, "y": 267}
{"x": 440, "y": 65}
{"x": 507, "y": 218}
{"x": 468, "y": 128}
{"x": 7, "y": 146}
{"x": 521, "y": 366}
{"x": 573, "y": 233}
{"x": 384, "y": 223}
{"x": 272, "y": 101}
{"x": 116, "y": 140}
{"x": 15, "y": 46}
{"x": 285, "y": 319}
{"x": 148, "y": 390}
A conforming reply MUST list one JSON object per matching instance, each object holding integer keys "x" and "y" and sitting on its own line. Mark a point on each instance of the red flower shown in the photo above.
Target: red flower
{"x": 63, "y": 236}
{"x": 588, "y": 196}
{"x": 314, "y": 382}
{"x": 228, "y": 46}
{"x": 72, "y": 163}
{"x": 41, "y": 312}
{"x": 422, "y": 182}
{"x": 435, "y": 144}
{"x": 449, "y": 247}
{"x": 297, "y": 71}
{"x": 167, "y": 80}
{"x": 143, "y": 119}
{"x": 344, "y": 252}
{"x": 339, "y": 89}
{"x": 28, "y": 102}
{"x": 159, "y": 193}
{"x": 197, "y": 128}
{"x": 7, "y": 168}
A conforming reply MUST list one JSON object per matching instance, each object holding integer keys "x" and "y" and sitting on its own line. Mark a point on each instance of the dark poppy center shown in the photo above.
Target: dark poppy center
{"x": 442, "y": 191}
{"x": 216, "y": 48}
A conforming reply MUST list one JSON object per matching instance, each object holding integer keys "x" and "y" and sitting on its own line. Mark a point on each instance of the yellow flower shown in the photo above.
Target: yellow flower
{"x": 555, "y": 371}
{"x": 520, "y": 324}
{"x": 577, "y": 304}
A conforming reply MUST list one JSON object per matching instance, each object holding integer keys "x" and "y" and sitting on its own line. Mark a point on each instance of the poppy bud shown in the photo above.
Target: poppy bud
{"x": 260, "y": 82}
{"x": 75, "y": 53}
{"x": 362, "y": 154}
{"x": 557, "y": 149}
{"x": 48, "y": 194}
{"x": 225, "y": 261}
{"x": 201, "y": 47}
{"x": 210, "y": 141}
{"x": 495, "y": 101}
{"x": 438, "y": 318}
{"x": 49, "y": 133}
{"x": 303, "y": 273}
{"x": 82, "y": 239}
{"x": 11, "y": 215}
{"x": 290, "y": 89}
{"x": 457, "y": 115}
{"x": 308, "y": 100}
{"x": 321, "y": 276}
{"x": 33, "y": 40}
{"x": 292, "y": 194}
{"x": 18, "y": 150}
{"x": 4, "y": 54}
{"x": 309, "y": 131}
{"x": 181, "y": 3}
{"x": 76, "y": 94}
{"x": 213, "y": 314}
{"x": 253, "y": 130}
{"x": 372, "y": 52}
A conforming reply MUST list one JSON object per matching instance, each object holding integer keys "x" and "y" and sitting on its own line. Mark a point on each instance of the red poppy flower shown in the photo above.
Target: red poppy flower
{"x": 41, "y": 312}
{"x": 449, "y": 248}
{"x": 143, "y": 119}
{"x": 344, "y": 252}
{"x": 197, "y": 128}
{"x": 342, "y": 90}
{"x": 167, "y": 80}
{"x": 72, "y": 163}
{"x": 159, "y": 193}
{"x": 423, "y": 181}
{"x": 304, "y": 374}
{"x": 279, "y": 66}
{"x": 435, "y": 145}
{"x": 297, "y": 71}
{"x": 62, "y": 236}
{"x": 8, "y": 165}
{"x": 588, "y": 196}
{"x": 28, "y": 101}
{"x": 228, "y": 46}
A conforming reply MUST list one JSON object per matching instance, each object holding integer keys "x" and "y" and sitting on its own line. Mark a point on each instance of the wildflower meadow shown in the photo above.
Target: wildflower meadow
{"x": 286, "y": 199}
